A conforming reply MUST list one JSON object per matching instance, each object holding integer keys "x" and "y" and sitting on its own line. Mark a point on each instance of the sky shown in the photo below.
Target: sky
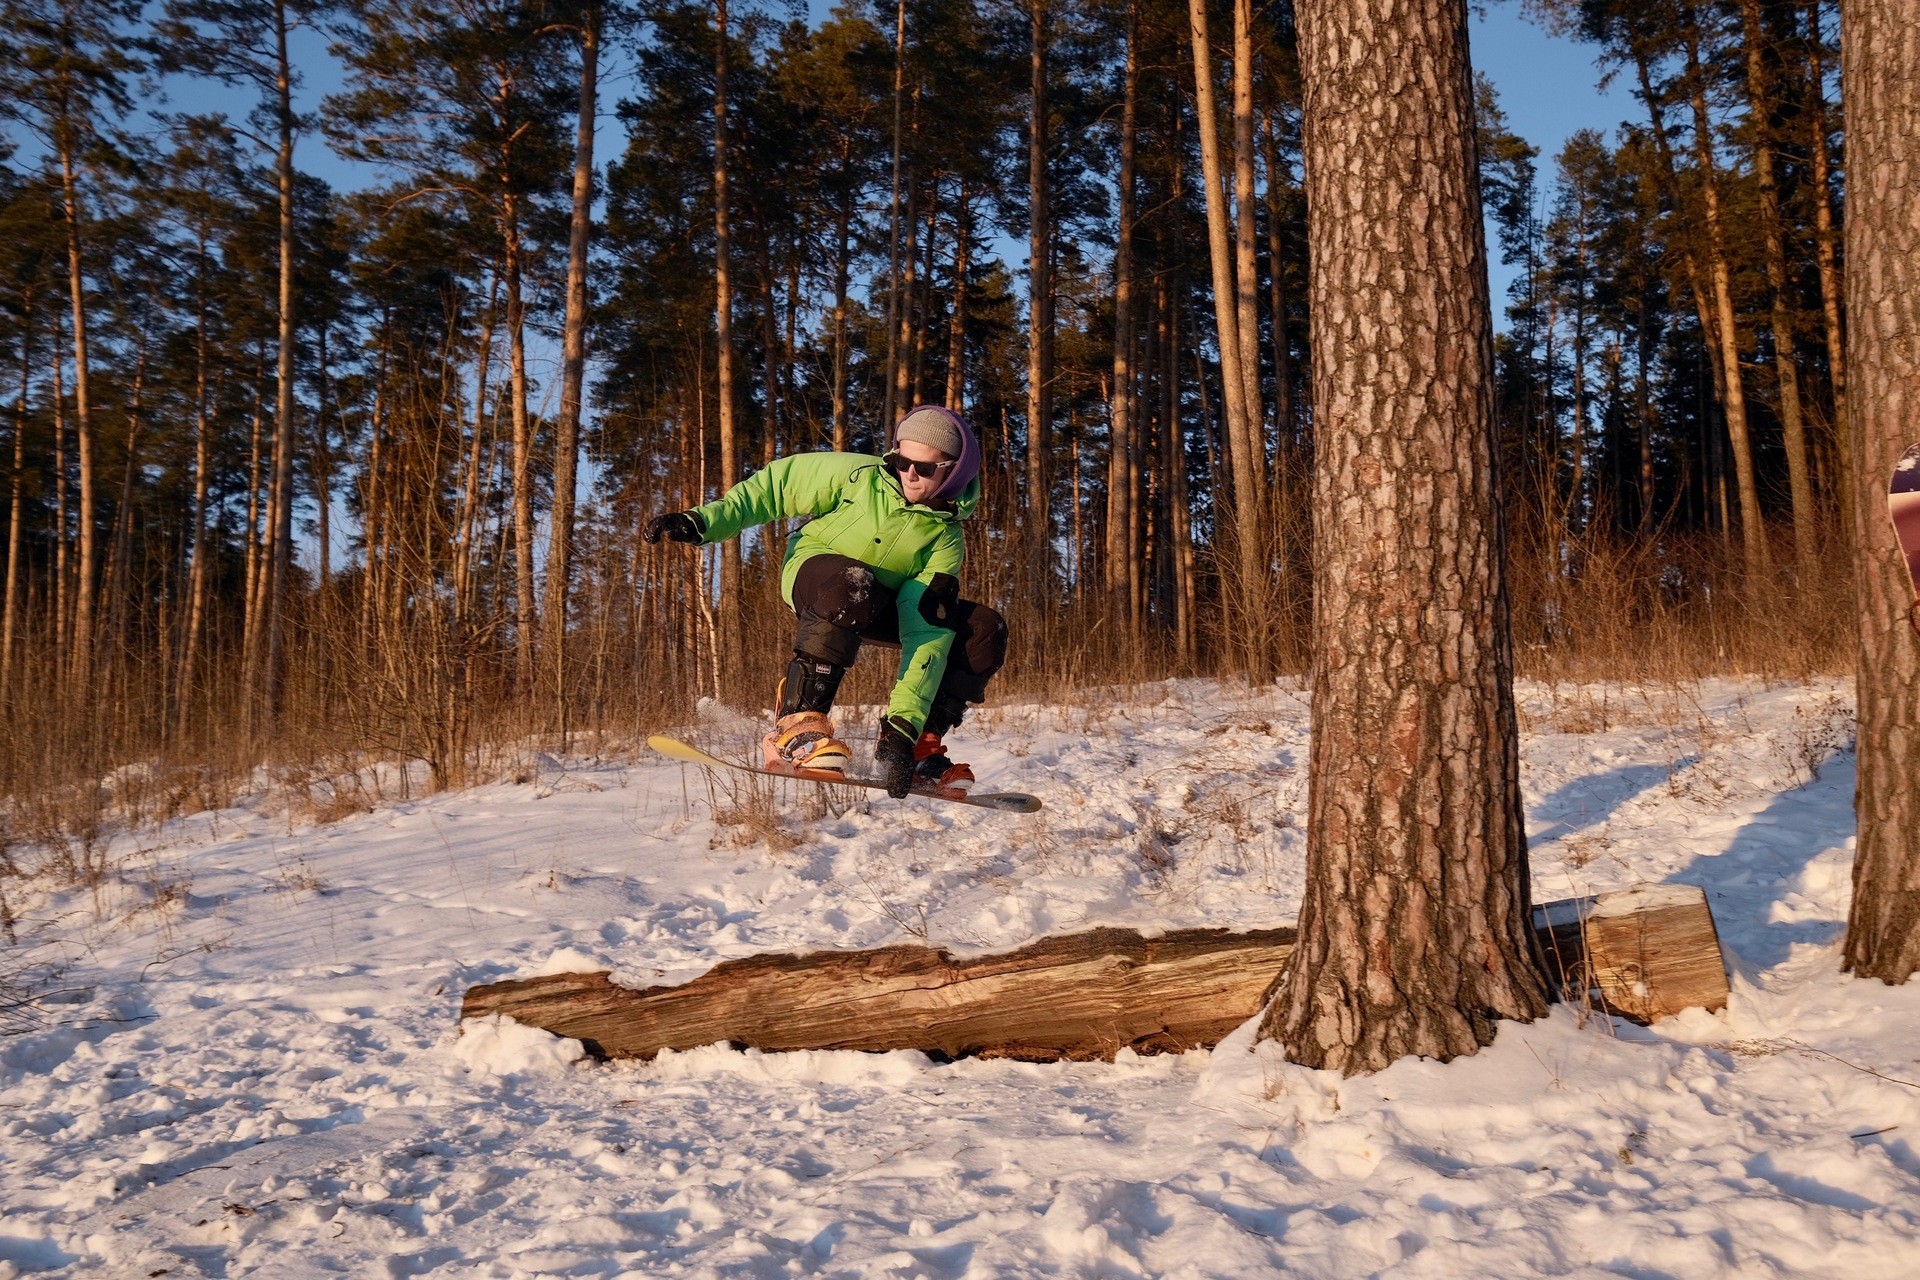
{"x": 1547, "y": 86}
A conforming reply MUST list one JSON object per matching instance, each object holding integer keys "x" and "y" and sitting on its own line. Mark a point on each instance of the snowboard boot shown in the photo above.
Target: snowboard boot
{"x": 932, "y": 767}
{"x": 804, "y": 740}
{"x": 802, "y": 737}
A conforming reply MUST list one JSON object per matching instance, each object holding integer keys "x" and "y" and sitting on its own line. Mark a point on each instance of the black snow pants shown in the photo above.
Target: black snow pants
{"x": 838, "y": 603}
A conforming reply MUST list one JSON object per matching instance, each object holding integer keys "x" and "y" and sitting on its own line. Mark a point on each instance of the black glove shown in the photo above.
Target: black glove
{"x": 894, "y": 754}
{"x": 680, "y": 526}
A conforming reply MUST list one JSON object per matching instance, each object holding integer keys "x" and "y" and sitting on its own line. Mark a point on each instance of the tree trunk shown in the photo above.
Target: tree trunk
{"x": 1880, "y": 61}
{"x": 1760, "y": 99}
{"x": 62, "y": 539}
{"x": 842, "y": 269}
{"x": 1414, "y": 930}
{"x": 280, "y": 560}
{"x": 1695, "y": 274}
{"x": 1120, "y": 446}
{"x": 1753, "y": 533}
{"x": 80, "y": 669}
{"x": 1826, "y": 238}
{"x": 891, "y": 412}
{"x": 573, "y": 363}
{"x": 1245, "y": 578}
{"x": 523, "y": 596}
{"x": 1643, "y": 415}
{"x": 1283, "y": 416}
{"x": 1246, "y": 269}
{"x": 1185, "y": 575}
{"x": 1039, "y": 308}
{"x": 10, "y": 614}
{"x": 256, "y": 563}
{"x": 727, "y": 659}
{"x": 956, "y": 397}
{"x": 772, "y": 427}
{"x": 472, "y": 483}
{"x": 923, "y": 292}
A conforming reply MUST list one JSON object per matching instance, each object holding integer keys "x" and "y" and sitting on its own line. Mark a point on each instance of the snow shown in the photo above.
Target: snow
{"x": 257, "y": 1070}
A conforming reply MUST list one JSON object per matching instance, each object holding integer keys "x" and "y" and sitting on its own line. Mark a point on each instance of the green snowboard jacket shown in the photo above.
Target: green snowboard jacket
{"x": 858, "y": 511}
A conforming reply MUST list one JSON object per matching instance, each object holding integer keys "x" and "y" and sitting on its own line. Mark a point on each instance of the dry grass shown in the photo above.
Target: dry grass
{"x": 430, "y": 701}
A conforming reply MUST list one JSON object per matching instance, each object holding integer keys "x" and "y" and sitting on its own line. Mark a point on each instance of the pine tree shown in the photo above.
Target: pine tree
{"x": 1880, "y": 54}
{"x": 1414, "y": 930}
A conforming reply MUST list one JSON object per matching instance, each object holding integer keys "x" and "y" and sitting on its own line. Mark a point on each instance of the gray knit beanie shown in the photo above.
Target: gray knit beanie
{"x": 930, "y": 426}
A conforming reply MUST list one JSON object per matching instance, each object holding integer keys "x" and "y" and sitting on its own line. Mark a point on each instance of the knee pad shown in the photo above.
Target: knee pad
{"x": 820, "y": 640}
{"x": 986, "y": 642}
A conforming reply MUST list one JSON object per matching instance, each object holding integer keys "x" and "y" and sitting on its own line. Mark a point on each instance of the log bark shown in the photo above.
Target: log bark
{"x": 1642, "y": 953}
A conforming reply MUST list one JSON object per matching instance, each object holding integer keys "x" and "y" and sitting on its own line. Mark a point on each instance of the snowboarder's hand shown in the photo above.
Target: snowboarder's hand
{"x": 679, "y": 526}
{"x": 894, "y": 755}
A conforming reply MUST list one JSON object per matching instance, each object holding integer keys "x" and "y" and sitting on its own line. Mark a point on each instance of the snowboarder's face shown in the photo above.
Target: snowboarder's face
{"x": 916, "y": 487}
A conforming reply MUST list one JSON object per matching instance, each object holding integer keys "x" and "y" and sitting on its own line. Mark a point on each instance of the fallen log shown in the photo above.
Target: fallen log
{"x": 1642, "y": 954}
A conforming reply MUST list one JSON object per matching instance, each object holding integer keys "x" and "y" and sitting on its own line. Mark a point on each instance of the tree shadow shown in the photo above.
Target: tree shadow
{"x": 1584, "y": 801}
{"x": 1750, "y": 879}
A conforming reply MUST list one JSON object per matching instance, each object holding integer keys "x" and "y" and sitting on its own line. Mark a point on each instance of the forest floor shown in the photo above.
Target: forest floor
{"x": 251, "y": 1065}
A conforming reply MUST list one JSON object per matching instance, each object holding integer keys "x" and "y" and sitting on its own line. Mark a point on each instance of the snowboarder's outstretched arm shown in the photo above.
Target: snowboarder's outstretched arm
{"x": 801, "y": 484}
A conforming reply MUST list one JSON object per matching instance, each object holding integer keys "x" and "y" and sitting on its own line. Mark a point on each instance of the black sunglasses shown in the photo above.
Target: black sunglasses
{"x": 925, "y": 470}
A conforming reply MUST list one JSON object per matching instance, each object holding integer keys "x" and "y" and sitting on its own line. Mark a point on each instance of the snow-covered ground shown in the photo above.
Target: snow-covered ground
{"x": 258, "y": 1069}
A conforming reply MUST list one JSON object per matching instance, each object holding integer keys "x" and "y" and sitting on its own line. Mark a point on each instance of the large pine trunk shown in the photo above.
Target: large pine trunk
{"x": 1880, "y": 61}
{"x": 1413, "y": 929}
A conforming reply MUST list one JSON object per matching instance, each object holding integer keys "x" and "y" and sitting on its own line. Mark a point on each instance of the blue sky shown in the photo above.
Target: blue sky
{"x": 1547, "y": 85}
{"x": 1549, "y": 88}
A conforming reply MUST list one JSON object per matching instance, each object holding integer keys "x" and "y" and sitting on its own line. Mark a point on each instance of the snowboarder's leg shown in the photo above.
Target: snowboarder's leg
{"x": 979, "y": 650}
{"x": 834, "y": 598}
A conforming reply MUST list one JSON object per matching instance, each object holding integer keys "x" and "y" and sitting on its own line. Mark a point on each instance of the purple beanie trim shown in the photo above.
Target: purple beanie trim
{"x": 969, "y": 463}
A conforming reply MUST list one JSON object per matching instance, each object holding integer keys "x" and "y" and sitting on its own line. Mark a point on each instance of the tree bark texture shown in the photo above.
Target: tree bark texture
{"x": 1413, "y": 930}
{"x": 1641, "y": 954}
{"x": 1880, "y": 61}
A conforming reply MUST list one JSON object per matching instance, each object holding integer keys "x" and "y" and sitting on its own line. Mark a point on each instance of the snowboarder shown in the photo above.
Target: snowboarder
{"x": 879, "y": 561}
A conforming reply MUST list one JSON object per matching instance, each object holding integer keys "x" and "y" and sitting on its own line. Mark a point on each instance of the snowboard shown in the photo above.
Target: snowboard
{"x": 1004, "y": 801}
{"x": 1903, "y": 504}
